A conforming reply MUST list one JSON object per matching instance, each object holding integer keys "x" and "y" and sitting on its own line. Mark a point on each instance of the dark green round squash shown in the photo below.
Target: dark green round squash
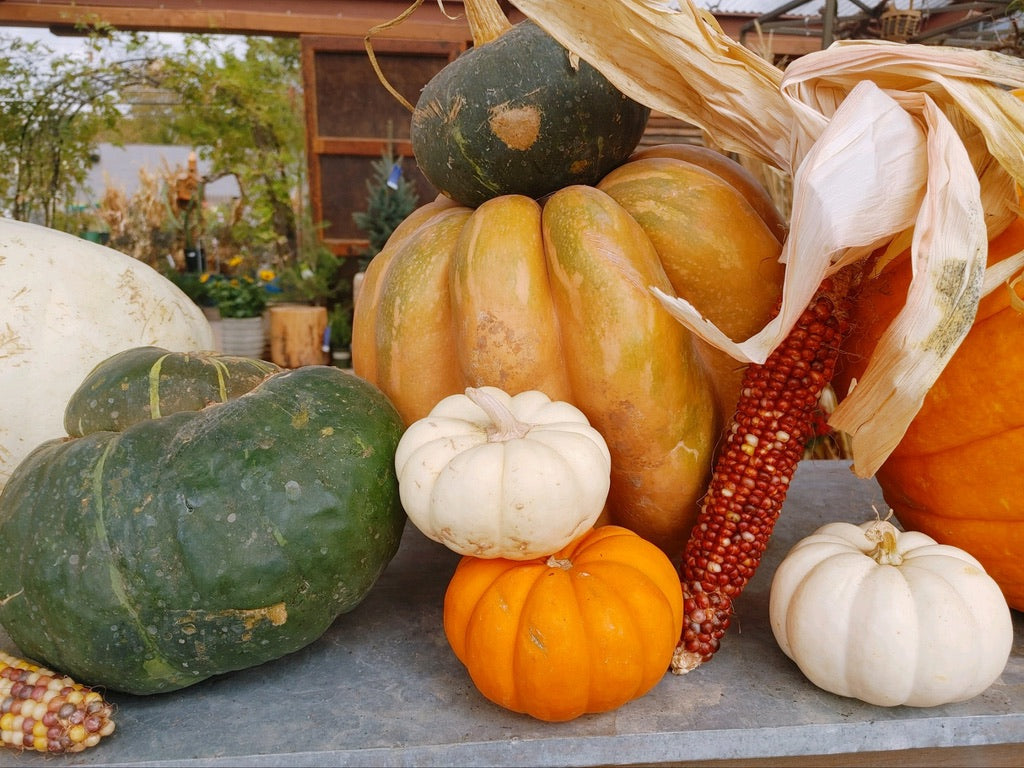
{"x": 518, "y": 115}
{"x": 151, "y": 382}
{"x": 201, "y": 542}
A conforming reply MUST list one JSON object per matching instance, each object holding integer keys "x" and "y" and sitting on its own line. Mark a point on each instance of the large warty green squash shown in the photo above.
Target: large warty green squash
{"x": 153, "y": 556}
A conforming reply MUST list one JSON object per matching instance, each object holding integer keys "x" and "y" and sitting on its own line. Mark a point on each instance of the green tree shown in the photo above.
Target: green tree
{"x": 244, "y": 113}
{"x": 239, "y": 105}
{"x": 390, "y": 198}
{"x": 52, "y": 109}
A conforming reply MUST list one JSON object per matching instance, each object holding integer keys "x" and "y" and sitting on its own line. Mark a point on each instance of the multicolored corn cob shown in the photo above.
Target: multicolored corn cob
{"x": 774, "y": 419}
{"x": 47, "y": 712}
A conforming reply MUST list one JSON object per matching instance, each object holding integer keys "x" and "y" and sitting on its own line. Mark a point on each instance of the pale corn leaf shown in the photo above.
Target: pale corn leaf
{"x": 1003, "y": 273}
{"x": 861, "y": 183}
{"x": 948, "y": 254}
{"x": 969, "y": 85}
{"x": 1013, "y": 286}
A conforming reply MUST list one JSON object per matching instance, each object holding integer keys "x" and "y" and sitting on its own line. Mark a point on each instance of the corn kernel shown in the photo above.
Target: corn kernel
{"x": 48, "y": 713}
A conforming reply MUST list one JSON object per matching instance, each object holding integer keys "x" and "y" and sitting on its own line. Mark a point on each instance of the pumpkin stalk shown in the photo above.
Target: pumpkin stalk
{"x": 772, "y": 422}
{"x": 504, "y": 425}
{"x": 487, "y": 21}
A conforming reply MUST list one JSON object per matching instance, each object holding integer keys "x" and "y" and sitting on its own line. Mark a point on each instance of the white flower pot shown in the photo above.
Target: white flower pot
{"x": 243, "y": 336}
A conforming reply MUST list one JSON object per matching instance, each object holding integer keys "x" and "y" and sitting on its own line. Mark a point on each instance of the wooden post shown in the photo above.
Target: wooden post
{"x": 296, "y": 335}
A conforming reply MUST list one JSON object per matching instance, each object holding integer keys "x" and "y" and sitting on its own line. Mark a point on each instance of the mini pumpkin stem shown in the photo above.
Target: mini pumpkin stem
{"x": 885, "y": 535}
{"x": 504, "y": 425}
{"x": 765, "y": 441}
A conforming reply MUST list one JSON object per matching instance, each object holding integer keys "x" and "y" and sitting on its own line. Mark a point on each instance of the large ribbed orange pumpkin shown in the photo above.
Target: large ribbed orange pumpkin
{"x": 585, "y": 630}
{"x": 958, "y": 473}
{"x": 556, "y": 297}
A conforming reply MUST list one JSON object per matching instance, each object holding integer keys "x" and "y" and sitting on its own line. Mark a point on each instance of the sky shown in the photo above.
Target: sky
{"x": 60, "y": 44}
{"x": 57, "y": 43}
{"x": 64, "y": 44}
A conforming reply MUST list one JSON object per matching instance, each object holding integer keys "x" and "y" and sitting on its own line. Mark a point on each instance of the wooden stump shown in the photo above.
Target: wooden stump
{"x": 297, "y": 334}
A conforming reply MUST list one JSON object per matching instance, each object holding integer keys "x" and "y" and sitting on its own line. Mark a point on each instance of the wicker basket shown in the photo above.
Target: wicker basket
{"x": 899, "y": 25}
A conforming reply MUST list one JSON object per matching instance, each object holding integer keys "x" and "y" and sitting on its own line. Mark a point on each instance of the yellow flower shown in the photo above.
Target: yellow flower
{"x": 204, "y": 277}
{"x": 234, "y": 261}
{"x": 266, "y": 275}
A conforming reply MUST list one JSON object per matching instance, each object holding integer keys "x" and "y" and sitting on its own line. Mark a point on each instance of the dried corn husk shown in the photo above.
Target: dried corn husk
{"x": 886, "y": 143}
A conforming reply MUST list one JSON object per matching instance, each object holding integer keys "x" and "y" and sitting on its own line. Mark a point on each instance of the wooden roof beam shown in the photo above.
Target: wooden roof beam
{"x": 260, "y": 17}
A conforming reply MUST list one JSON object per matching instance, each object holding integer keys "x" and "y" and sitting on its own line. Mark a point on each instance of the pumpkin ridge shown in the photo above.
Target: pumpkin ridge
{"x": 614, "y": 602}
{"x": 957, "y": 447}
{"x": 117, "y": 581}
{"x": 915, "y": 572}
{"x": 628, "y": 609}
{"x": 533, "y": 576}
{"x": 155, "y": 665}
{"x": 540, "y": 589}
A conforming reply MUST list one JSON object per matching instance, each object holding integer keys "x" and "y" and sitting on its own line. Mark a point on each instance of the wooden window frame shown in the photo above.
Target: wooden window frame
{"x": 320, "y": 145}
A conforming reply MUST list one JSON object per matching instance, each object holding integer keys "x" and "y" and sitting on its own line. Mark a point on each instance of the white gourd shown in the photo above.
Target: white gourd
{"x": 889, "y": 617}
{"x": 493, "y": 475}
{"x": 67, "y": 304}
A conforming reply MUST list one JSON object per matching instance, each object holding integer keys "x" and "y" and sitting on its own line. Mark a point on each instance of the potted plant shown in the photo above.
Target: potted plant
{"x": 241, "y": 300}
{"x": 318, "y": 285}
{"x": 87, "y": 222}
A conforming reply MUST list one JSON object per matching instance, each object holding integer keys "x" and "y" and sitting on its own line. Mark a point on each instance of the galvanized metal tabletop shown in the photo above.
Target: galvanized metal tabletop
{"x": 381, "y": 687}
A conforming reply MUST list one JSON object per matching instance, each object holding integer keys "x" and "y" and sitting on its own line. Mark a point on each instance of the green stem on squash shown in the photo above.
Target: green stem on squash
{"x": 486, "y": 20}
{"x": 504, "y": 425}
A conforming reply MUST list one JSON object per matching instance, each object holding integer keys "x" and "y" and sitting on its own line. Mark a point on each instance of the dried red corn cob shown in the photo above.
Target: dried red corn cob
{"x": 47, "y": 712}
{"x": 772, "y": 423}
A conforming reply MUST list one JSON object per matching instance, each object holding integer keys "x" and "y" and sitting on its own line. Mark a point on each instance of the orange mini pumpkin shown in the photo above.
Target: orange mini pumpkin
{"x": 585, "y": 630}
{"x": 956, "y": 474}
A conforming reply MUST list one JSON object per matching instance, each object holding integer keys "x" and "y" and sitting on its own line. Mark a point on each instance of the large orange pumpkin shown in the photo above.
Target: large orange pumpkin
{"x": 584, "y": 630}
{"x": 957, "y": 473}
{"x": 556, "y": 297}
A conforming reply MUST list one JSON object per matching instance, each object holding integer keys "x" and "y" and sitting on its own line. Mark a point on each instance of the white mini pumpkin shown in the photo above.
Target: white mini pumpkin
{"x": 67, "y": 304}
{"x": 493, "y": 475}
{"x": 889, "y": 617}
